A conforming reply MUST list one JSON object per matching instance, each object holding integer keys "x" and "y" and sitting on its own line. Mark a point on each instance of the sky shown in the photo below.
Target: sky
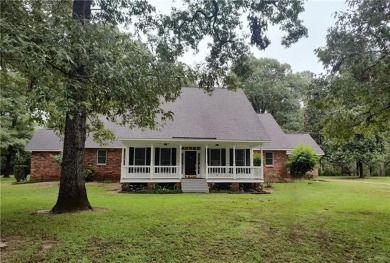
{"x": 317, "y": 17}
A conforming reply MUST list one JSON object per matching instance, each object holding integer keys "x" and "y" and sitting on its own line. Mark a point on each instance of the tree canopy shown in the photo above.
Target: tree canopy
{"x": 272, "y": 87}
{"x": 357, "y": 55}
{"x": 15, "y": 118}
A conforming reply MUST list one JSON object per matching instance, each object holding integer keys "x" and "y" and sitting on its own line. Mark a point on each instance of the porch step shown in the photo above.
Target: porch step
{"x": 194, "y": 186}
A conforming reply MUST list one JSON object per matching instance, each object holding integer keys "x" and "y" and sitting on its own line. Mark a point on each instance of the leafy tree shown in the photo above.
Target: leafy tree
{"x": 302, "y": 159}
{"x": 15, "y": 118}
{"x": 359, "y": 150}
{"x": 357, "y": 56}
{"x": 79, "y": 65}
{"x": 272, "y": 87}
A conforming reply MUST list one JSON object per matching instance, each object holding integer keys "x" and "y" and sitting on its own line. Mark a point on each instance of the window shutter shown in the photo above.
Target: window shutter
{"x": 248, "y": 157}
{"x": 231, "y": 157}
{"x": 157, "y": 156}
{"x": 223, "y": 156}
{"x": 131, "y": 156}
{"x": 148, "y": 154}
{"x": 173, "y": 156}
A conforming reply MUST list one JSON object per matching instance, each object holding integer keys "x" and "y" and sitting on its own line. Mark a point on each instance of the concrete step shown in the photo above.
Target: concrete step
{"x": 194, "y": 186}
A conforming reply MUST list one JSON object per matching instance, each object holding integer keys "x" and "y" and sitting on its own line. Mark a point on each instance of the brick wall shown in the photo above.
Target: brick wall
{"x": 111, "y": 170}
{"x": 278, "y": 170}
{"x": 44, "y": 167}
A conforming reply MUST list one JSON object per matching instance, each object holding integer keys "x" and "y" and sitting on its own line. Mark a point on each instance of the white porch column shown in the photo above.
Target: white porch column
{"x": 123, "y": 158}
{"x": 207, "y": 162}
{"x": 151, "y": 160}
{"x": 127, "y": 155}
{"x": 262, "y": 162}
{"x": 251, "y": 162}
{"x": 180, "y": 170}
{"x": 234, "y": 161}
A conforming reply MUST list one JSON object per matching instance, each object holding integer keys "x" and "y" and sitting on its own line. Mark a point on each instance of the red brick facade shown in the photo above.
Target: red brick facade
{"x": 44, "y": 167}
{"x": 109, "y": 171}
{"x": 278, "y": 171}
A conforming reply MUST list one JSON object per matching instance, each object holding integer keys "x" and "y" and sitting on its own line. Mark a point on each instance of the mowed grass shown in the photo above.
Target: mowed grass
{"x": 305, "y": 221}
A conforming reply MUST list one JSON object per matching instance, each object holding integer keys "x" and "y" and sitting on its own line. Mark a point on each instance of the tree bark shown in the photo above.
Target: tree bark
{"x": 382, "y": 169}
{"x": 73, "y": 194}
{"x": 359, "y": 169}
{"x": 7, "y": 168}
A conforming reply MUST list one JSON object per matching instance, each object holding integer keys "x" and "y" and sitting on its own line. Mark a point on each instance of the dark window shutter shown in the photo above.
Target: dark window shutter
{"x": 173, "y": 161}
{"x": 157, "y": 156}
{"x": 223, "y": 156}
{"x": 148, "y": 154}
{"x": 248, "y": 157}
{"x": 231, "y": 157}
{"x": 131, "y": 156}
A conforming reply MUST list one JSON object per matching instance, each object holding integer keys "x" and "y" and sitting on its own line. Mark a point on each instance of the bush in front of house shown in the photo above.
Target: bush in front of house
{"x": 89, "y": 175}
{"x": 21, "y": 172}
{"x": 302, "y": 160}
{"x": 257, "y": 159}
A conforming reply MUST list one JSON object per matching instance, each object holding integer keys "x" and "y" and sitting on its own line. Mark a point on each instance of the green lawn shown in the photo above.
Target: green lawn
{"x": 306, "y": 221}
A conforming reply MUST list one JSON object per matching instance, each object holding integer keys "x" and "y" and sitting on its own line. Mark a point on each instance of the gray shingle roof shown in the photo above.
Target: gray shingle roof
{"x": 283, "y": 141}
{"x": 296, "y": 139}
{"x": 223, "y": 115}
{"x": 279, "y": 140}
{"x": 48, "y": 140}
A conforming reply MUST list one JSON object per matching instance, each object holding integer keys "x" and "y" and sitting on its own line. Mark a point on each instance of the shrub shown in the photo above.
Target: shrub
{"x": 89, "y": 175}
{"x": 21, "y": 172}
{"x": 257, "y": 159}
{"x": 302, "y": 160}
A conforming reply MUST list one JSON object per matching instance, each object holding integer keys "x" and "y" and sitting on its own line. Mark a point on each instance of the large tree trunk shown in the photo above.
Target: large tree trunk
{"x": 7, "y": 168}
{"x": 72, "y": 194}
{"x": 382, "y": 169}
{"x": 359, "y": 169}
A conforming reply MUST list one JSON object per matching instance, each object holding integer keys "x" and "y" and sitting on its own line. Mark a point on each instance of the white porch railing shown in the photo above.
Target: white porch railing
{"x": 149, "y": 172}
{"x": 237, "y": 172}
{"x": 215, "y": 173}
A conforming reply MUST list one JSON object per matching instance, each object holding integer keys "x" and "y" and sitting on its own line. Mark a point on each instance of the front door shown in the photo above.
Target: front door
{"x": 190, "y": 163}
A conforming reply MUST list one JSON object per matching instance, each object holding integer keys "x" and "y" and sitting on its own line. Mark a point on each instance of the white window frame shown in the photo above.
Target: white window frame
{"x": 265, "y": 159}
{"x": 97, "y": 157}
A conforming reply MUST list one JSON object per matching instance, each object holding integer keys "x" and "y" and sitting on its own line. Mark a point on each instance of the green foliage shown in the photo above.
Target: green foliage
{"x": 257, "y": 159}
{"x": 369, "y": 150}
{"x": 21, "y": 172}
{"x": 302, "y": 160}
{"x": 15, "y": 118}
{"x": 272, "y": 87}
{"x": 58, "y": 158}
{"x": 89, "y": 175}
{"x": 356, "y": 91}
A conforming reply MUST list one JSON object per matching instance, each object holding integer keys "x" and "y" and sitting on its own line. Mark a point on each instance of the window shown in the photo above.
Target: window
{"x": 216, "y": 157}
{"x": 242, "y": 157}
{"x": 139, "y": 156}
{"x": 101, "y": 157}
{"x": 269, "y": 159}
{"x": 165, "y": 156}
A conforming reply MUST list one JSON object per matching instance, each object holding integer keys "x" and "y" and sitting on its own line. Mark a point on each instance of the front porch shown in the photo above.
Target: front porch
{"x": 160, "y": 162}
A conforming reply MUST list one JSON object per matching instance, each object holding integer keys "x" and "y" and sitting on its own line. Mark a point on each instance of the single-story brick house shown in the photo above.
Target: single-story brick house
{"x": 275, "y": 152}
{"x": 212, "y": 139}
